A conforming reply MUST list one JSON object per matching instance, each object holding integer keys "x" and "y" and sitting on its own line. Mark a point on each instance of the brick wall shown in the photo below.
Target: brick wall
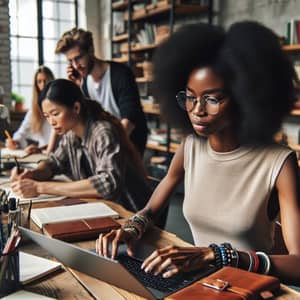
{"x": 5, "y": 71}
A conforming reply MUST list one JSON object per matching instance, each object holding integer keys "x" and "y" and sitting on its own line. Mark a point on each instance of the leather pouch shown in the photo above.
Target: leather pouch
{"x": 79, "y": 230}
{"x": 230, "y": 283}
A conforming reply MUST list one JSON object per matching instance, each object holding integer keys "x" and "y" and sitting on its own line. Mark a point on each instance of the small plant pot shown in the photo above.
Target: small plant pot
{"x": 19, "y": 106}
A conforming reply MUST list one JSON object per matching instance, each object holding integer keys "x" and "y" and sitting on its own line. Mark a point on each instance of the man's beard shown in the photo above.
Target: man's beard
{"x": 90, "y": 65}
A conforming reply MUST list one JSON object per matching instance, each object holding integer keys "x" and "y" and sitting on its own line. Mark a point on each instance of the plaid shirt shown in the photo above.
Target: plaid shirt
{"x": 104, "y": 163}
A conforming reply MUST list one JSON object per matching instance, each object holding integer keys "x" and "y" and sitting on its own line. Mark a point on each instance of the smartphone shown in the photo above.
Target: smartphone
{"x": 75, "y": 73}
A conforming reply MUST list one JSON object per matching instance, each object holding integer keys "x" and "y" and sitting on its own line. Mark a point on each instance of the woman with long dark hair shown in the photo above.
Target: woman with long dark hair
{"x": 94, "y": 151}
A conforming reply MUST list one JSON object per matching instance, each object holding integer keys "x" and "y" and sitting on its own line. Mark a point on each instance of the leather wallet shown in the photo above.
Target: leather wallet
{"x": 79, "y": 230}
{"x": 230, "y": 283}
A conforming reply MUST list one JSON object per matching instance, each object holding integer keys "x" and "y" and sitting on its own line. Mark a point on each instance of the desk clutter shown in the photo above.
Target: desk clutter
{"x": 42, "y": 216}
{"x": 73, "y": 219}
{"x": 9, "y": 259}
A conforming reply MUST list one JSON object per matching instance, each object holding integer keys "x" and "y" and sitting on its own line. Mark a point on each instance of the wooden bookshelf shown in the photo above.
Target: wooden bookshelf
{"x": 155, "y": 10}
{"x": 139, "y": 48}
{"x": 295, "y": 112}
{"x": 173, "y": 147}
{"x": 121, "y": 5}
{"x": 291, "y": 48}
{"x": 161, "y": 13}
{"x": 121, "y": 59}
{"x": 142, "y": 80}
{"x": 120, "y": 38}
{"x": 151, "y": 108}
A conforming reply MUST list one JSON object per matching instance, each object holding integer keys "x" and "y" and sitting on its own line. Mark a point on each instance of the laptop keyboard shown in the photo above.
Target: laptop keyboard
{"x": 149, "y": 280}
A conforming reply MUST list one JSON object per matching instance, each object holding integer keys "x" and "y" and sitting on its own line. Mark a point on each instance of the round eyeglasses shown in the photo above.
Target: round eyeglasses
{"x": 208, "y": 103}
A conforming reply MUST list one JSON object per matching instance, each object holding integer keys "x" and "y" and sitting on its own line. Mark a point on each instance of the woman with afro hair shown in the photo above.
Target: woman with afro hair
{"x": 230, "y": 92}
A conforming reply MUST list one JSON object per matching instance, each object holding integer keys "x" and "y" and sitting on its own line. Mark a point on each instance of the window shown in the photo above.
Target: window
{"x": 35, "y": 27}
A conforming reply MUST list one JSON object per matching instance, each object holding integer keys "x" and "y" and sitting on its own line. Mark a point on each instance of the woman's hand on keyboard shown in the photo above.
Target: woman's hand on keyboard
{"x": 173, "y": 259}
{"x": 107, "y": 244}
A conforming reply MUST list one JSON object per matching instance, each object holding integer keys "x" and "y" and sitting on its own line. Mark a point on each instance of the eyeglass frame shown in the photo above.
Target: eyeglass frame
{"x": 202, "y": 100}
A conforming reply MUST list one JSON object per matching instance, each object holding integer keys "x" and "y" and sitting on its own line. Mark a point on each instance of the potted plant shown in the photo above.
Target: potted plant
{"x": 18, "y": 102}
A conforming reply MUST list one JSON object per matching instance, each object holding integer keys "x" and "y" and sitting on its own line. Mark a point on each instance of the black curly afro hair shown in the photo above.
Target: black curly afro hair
{"x": 248, "y": 57}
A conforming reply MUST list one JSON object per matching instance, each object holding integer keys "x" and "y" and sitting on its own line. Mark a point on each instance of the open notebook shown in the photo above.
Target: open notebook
{"x": 25, "y": 295}
{"x": 40, "y": 198}
{"x": 33, "y": 267}
{"x": 18, "y": 153}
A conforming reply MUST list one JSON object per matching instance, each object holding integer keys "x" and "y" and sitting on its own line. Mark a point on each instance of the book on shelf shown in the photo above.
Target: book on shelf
{"x": 293, "y": 32}
{"x": 42, "y": 216}
{"x": 33, "y": 267}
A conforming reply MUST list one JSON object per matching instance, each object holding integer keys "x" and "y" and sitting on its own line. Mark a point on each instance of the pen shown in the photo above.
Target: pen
{"x": 7, "y": 135}
{"x": 29, "y": 211}
{"x": 17, "y": 165}
{"x": 2, "y": 239}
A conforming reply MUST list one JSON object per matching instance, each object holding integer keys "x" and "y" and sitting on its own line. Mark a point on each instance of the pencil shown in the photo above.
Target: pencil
{"x": 8, "y": 135}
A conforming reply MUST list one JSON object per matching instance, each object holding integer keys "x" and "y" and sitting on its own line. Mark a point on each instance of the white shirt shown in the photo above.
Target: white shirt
{"x": 102, "y": 93}
{"x": 25, "y": 132}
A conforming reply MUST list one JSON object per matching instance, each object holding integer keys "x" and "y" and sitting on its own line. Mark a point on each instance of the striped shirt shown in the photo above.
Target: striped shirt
{"x": 98, "y": 157}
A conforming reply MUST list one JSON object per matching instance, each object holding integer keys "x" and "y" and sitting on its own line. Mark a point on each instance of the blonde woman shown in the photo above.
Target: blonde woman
{"x": 34, "y": 133}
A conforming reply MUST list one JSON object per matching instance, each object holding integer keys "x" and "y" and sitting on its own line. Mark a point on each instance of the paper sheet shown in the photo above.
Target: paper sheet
{"x": 18, "y": 153}
{"x": 33, "y": 267}
{"x": 25, "y": 295}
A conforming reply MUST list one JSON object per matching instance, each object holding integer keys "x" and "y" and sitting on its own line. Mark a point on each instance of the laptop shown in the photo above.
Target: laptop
{"x": 124, "y": 272}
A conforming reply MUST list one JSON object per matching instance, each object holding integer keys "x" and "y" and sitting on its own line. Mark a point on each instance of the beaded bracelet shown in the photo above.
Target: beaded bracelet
{"x": 232, "y": 256}
{"x": 265, "y": 262}
{"x": 217, "y": 254}
{"x": 137, "y": 224}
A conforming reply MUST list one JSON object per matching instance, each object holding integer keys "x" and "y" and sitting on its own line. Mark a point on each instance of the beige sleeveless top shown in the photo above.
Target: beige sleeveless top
{"x": 226, "y": 194}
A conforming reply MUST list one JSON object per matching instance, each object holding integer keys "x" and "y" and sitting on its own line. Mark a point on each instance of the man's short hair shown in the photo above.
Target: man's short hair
{"x": 75, "y": 37}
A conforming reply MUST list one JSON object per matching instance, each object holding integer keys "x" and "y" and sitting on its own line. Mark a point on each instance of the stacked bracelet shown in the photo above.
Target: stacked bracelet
{"x": 137, "y": 224}
{"x": 225, "y": 255}
{"x": 232, "y": 256}
{"x": 255, "y": 261}
{"x": 251, "y": 262}
{"x": 264, "y": 263}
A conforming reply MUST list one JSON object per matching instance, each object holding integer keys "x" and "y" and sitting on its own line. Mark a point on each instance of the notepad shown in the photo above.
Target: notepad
{"x": 25, "y": 295}
{"x": 18, "y": 153}
{"x": 41, "y": 216}
{"x": 33, "y": 267}
{"x": 41, "y": 198}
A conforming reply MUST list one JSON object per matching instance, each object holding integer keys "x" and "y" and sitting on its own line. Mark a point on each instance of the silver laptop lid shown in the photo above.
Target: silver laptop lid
{"x": 106, "y": 269}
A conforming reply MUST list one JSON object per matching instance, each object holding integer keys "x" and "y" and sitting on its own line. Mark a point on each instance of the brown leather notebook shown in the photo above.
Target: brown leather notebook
{"x": 80, "y": 229}
{"x": 230, "y": 284}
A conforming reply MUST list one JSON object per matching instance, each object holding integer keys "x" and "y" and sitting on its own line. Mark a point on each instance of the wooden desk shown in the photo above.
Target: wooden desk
{"x": 71, "y": 284}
